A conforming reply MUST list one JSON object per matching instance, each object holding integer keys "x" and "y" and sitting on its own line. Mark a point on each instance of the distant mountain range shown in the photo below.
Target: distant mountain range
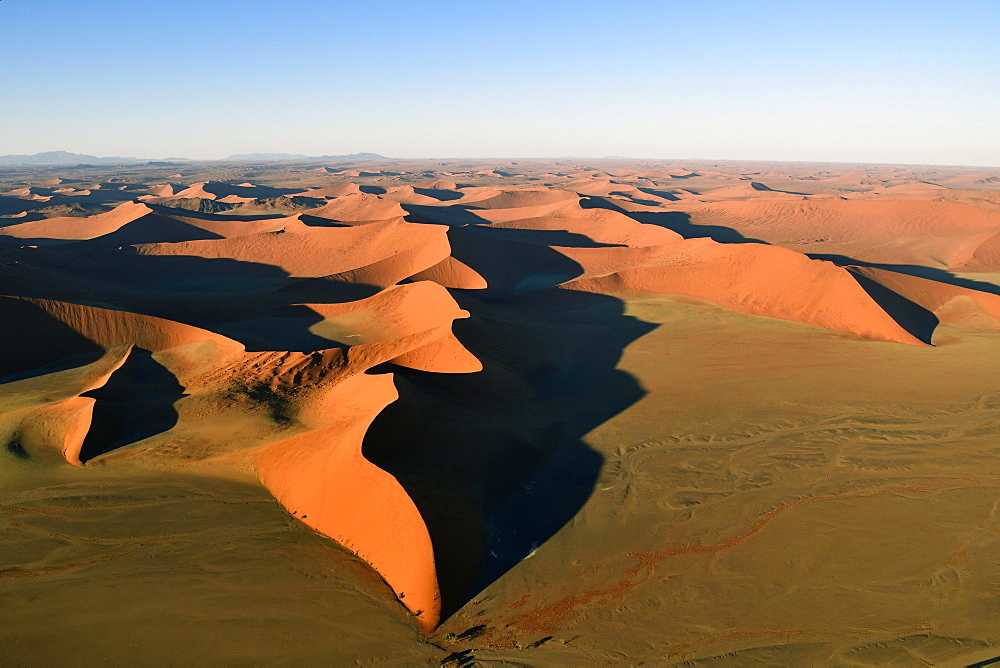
{"x": 61, "y": 158}
{"x": 67, "y": 158}
{"x": 274, "y": 157}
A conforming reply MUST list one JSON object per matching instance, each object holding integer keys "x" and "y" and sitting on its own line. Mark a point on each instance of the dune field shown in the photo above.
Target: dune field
{"x": 500, "y": 413}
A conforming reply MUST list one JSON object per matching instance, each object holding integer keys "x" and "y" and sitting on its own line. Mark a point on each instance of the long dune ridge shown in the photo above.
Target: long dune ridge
{"x": 562, "y": 412}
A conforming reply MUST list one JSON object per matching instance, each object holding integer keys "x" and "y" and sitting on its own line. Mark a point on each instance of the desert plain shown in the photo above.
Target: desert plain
{"x": 527, "y": 412}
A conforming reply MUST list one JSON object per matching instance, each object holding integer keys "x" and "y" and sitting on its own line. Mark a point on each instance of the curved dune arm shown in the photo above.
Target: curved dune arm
{"x": 322, "y": 478}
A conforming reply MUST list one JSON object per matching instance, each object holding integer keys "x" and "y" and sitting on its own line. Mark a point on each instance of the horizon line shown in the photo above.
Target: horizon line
{"x": 347, "y": 157}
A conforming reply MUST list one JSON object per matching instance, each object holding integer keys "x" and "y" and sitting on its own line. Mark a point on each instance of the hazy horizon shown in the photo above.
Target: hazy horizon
{"x": 488, "y": 158}
{"x": 901, "y": 83}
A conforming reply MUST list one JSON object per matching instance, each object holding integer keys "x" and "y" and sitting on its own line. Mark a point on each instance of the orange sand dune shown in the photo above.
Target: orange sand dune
{"x": 164, "y": 190}
{"x": 60, "y": 428}
{"x": 379, "y": 253}
{"x": 473, "y": 193}
{"x": 322, "y": 478}
{"x": 438, "y": 184}
{"x": 982, "y": 255}
{"x": 518, "y": 199}
{"x": 337, "y": 190}
{"x": 223, "y": 226}
{"x": 917, "y": 188}
{"x": 395, "y": 313}
{"x": 195, "y": 190}
{"x": 750, "y": 190}
{"x": 229, "y": 192}
{"x": 235, "y": 199}
{"x": 893, "y": 231}
{"x": 358, "y": 207}
{"x": 950, "y": 303}
{"x": 452, "y": 273}
{"x": 497, "y": 215}
{"x": 760, "y": 280}
{"x": 106, "y": 328}
{"x": 598, "y": 187}
{"x": 76, "y": 227}
{"x": 409, "y": 195}
{"x": 601, "y": 226}
{"x": 645, "y": 194}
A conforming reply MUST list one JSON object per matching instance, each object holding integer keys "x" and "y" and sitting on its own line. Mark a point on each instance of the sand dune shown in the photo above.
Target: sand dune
{"x": 517, "y": 199}
{"x": 545, "y": 417}
{"x": 163, "y": 190}
{"x": 323, "y": 478}
{"x": 600, "y": 226}
{"x": 337, "y": 190}
{"x": 196, "y": 190}
{"x": 751, "y": 190}
{"x": 762, "y": 280}
{"x": 380, "y": 253}
{"x": 453, "y": 273}
{"x": 950, "y": 303}
{"x": 982, "y": 255}
{"x": 109, "y": 328}
{"x": 358, "y": 207}
{"x": 78, "y": 228}
{"x": 438, "y": 184}
{"x": 892, "y": 231}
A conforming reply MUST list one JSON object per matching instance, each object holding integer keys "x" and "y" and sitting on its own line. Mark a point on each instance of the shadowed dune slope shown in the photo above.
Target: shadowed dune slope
{"x": 380, "y": 253}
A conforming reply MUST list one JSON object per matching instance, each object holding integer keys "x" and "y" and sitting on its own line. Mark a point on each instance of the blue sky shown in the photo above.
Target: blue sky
{"x": 891, "y": 81}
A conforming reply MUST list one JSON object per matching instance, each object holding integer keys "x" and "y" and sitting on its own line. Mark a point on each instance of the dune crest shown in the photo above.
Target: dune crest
{"x": 74, "y": 228}
{"x": 322, "y": 478}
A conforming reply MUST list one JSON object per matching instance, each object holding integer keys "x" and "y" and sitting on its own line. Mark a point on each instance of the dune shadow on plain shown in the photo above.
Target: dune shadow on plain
{"x": 452, "y": 214}
{"x": 912, "y": 317}
{"x": 931, "y": 273}
{"x": 514, "y": 264}
{"x": 760, "y": 187}
{"x": 677, "y": 221}
{"x": 15, "y": 205}
{"x": 563, "y": 238}
{"x": 439, "y": 194}
{"x": 663, "y": 194}
{"x": 223, "y": 189}
{"x": 136, "y": 402}
{"x": 496, "y": 461}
